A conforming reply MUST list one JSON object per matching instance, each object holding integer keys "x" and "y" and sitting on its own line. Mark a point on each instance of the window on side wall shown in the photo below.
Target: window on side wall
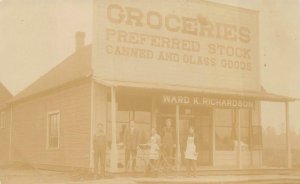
{"x": 2, "y": 120}
{"x": 53, "y": 124}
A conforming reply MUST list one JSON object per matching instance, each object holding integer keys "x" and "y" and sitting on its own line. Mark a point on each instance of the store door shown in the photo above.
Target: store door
{"x": 184, "y": 124}
{"x": 201, "y": 121}
{"x": 203, "y": 130}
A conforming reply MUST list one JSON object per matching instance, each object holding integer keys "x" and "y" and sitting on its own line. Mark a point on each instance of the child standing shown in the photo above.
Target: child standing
{"x": 154, "y": 153}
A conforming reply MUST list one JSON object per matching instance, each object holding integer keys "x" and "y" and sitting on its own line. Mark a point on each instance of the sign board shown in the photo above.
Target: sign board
{"x": 190, "y": 43}
{"x": 207, "y": 101}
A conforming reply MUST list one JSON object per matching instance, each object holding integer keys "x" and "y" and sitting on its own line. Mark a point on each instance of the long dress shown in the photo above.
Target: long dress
{"x": 190, "y": 152}
{"x": 154, "y": 147}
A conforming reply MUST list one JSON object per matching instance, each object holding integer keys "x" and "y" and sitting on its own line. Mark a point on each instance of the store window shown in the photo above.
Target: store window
{"x": 53, "y": 123}
{"x": 256, "y": 129}
{"x": 227, "y": 128}
{"x": 137, "y": 108}
{"x": 244, "y": 125}
{"x": 256, "y": 136}
{"x": 224, "y": 127}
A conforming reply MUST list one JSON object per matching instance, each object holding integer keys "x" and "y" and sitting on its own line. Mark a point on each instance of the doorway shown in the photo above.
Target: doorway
{"x": 203, "y": 130}
{"x": 201, "y": 120}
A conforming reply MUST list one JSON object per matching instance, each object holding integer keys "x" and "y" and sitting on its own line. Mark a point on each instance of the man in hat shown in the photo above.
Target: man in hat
{"x": 168, "y": 140}
{"x": 99, "y": 143}
{"x": 131, "y": 143}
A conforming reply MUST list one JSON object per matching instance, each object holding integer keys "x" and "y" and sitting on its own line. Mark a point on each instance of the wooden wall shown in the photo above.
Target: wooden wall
{"x": 30, "y": 133}
{"x": 5, "y": 136}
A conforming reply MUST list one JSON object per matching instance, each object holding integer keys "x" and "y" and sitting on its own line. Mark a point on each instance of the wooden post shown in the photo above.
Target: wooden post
{"x": 178, "y": 158}
{"x": 153, "y": 113}
{"x": 213, "y": 138}
{"x": 10, "y": 133}
{"x": 239, "y": 139}
{"x": 288, "y": 142}
{"x": 114, "y": 149}
{"x": 258, "y": 109}
{"x": 250, "y": 136}
{"x": 92, "y": 125}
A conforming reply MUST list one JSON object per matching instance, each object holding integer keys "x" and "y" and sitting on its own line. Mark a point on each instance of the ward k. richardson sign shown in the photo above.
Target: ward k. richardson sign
{"x": 191, "y": 43}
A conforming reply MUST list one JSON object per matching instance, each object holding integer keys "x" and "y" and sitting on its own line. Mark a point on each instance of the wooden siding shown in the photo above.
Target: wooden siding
{"x": 257, "y": 158}
{"x": 30, "y": 127}
{"x": 225, "y": 158}
{"x": 5, "y": 136}
{"x": 229, "y": 158}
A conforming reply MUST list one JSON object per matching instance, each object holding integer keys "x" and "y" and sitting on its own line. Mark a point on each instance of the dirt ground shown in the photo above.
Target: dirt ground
{"x": 35, "y": 176}
{"x": 13, "y": 176}
{"x": 27, "y": 175}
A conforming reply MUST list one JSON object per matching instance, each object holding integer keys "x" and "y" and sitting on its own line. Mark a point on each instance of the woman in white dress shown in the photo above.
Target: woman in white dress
{"x": 154, "y": 153}
{"x": 191, "y": 152}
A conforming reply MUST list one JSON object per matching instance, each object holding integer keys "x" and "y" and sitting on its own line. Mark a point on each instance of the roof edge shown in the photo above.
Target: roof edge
{"x": 257, "y": 95}
{"x": 62, "y": 86}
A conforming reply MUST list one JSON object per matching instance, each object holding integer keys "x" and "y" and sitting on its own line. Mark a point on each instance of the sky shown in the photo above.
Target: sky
{"x": 36, "y": 35}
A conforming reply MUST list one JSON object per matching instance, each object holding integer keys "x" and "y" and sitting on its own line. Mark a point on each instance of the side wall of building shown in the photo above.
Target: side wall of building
{"x": 29, "y": 135}
{"x": 5, "y": 117}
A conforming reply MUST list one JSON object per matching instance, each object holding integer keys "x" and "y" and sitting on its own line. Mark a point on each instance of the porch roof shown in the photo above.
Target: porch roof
{"x": 261, "y": 95}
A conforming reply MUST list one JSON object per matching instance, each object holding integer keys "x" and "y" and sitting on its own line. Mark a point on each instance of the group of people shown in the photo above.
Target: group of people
{"x": 167, "y": 145}
{"x": 164, "y": 144}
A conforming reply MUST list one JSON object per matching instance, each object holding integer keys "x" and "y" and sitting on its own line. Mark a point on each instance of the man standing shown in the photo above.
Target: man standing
{"x": 168, "y": 141}
{"x": 131, "y": 141}
{"x": 99, "y": 142}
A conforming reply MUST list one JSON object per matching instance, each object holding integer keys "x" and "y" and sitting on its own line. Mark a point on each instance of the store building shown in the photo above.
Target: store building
{"x": 194, "y": 62}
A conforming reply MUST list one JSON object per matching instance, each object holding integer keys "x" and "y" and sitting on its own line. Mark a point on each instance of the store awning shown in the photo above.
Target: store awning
{"x": 261, "y": 95}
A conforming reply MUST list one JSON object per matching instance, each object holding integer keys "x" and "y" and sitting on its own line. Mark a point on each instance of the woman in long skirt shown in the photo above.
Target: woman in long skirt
{"x": 154, "y": 154}
{"x": 191, "y": 153}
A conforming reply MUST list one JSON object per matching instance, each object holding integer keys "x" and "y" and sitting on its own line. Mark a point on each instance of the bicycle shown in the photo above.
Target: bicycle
{"x": 163, "y": 164}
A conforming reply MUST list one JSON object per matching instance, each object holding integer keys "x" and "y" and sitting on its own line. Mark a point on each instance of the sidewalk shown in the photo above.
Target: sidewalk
{"x": 222, "y": 179}
{"x": 35, "y": 176}
{"x": 266, "y": 179}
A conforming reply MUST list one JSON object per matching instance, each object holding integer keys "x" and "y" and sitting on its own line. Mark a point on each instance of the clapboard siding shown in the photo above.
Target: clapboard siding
{"x": 30, "y": 127}
{"x": 225, "y": 158}
{"x": 5, "y": 136}
{"x": 229, "y": 158}
{"x": 257, "y": 158}
{"x": 245, "y": 158}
